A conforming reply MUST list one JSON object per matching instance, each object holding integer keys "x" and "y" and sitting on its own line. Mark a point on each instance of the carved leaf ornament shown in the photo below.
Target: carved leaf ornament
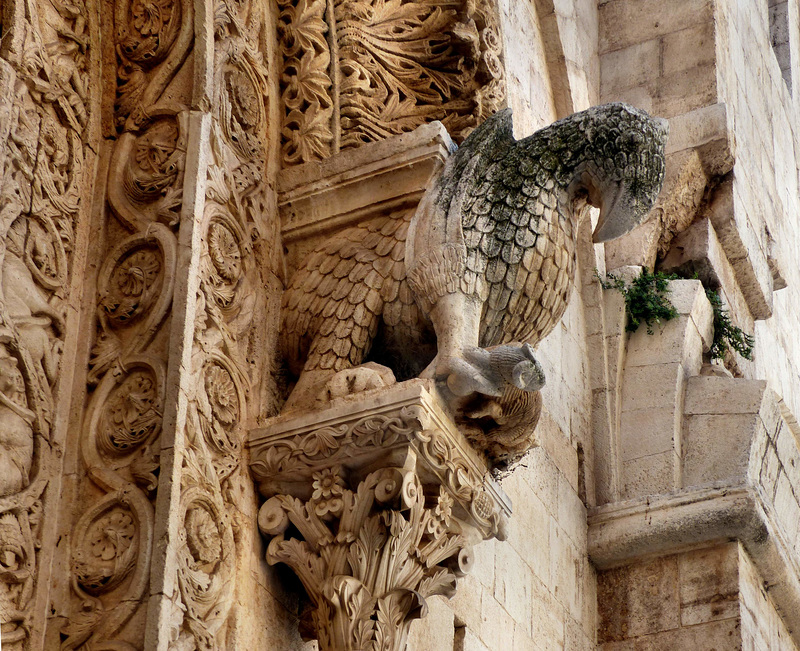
{"x": 356, "y": 71}
{"x": 373, "y": 502}
{"x": 44, "y": 113}
{"x": 368, "y": 557}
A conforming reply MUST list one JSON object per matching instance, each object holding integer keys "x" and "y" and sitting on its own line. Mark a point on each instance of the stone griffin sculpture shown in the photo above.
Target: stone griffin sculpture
{"x": 464, "y": 288}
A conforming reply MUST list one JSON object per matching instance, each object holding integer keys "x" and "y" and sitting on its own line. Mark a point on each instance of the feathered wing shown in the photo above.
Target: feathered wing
{"x": 520, "y": 246}
{"x": 333, "y": 307}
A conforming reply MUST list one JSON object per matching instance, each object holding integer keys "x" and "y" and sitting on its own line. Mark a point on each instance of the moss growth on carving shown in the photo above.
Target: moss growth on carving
{"x": 726, "y": 335}
{"x": 646, "y": 298}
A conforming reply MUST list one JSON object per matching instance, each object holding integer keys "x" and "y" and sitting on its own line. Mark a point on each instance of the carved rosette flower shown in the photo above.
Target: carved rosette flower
{"x": 133, "y": 287}
{"x": 328, "y": 485}
{"x": 222, "y": 395}
{"x": 106, "y": 550}
{"x": 203, "y": 538}
{"x": 224, "y": 267}
{"x": 225, "y": 253}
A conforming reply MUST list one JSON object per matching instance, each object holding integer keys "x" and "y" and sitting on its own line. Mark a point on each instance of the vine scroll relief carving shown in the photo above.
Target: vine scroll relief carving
{"x": 44, "y": 122}
{"x": 356, "y": 71}
{"x": 111, "y": 543}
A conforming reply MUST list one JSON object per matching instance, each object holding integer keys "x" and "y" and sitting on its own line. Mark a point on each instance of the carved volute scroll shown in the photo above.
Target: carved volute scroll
{"x": 361, "y": 70}
{"x": 374, "y": 502}
{"x": 46, "y": 119}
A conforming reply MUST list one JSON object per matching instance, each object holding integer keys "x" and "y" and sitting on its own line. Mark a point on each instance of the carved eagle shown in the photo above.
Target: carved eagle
{"x": 487, "y": 258}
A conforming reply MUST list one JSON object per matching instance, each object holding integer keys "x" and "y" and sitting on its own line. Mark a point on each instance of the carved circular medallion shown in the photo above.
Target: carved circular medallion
{"x": 134, "y": 284}
{"x": 156, "y": 161}
{"x": 224, "y": 250}
{"x": 131, "y": 415}
{"x": 145, "y": 177}
{"x": 222, "y": 394}
{"x": 203, "y": 538}
{"x": 206, "y": 552}
{"x": 106, "y": 545}
{"x": 125, "y": 413}
{"x": 225, "y": 266}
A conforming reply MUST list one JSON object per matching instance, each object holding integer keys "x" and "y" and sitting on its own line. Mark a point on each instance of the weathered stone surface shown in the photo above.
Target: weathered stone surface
{"x": 147, "y": 234}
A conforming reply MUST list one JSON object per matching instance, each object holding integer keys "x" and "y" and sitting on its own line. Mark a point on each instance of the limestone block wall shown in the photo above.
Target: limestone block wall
{"x": 658, "y": 56}
{"x": 765, "y": 190}
{"x": 710, "y": 598}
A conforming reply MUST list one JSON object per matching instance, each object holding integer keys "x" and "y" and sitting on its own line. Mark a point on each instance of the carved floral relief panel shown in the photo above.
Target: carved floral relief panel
{"x": 226, "y": 357}
{"x": 45, "y": 121}
{"x": 111, "y": 542}
{"x": 356, "y": 71}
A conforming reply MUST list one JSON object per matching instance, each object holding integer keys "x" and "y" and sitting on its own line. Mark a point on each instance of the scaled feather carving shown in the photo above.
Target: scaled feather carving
{"x": 486, "y": 261}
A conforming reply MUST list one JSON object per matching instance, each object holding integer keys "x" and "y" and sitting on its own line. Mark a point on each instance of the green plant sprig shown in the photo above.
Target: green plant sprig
{"x": 646, "y": 298}
{"x": 726, "y": 335}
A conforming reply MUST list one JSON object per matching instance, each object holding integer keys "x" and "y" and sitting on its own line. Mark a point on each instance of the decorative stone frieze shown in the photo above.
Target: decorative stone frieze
{"x": 48, "y": 120}
{"x": 362, "y": 70}
{"x": 374, "y": 501}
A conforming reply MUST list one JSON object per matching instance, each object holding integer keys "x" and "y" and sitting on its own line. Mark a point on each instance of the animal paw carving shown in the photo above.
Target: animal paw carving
{"x": 355, "y": 380}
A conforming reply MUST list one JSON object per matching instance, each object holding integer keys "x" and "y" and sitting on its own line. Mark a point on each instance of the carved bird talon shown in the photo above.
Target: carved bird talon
{"x": 490, "y": 371}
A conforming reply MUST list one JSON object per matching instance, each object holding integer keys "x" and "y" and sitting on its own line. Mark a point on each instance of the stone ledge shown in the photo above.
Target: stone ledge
{"x": 753, "y": 504}
{"x": 319, "y": 197}
{"x": 375, "y": 428}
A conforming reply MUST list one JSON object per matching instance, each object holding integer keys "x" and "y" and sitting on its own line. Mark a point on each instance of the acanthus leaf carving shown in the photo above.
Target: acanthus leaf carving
{"x": 344, "y": 535}
{"x": 362, "y": 70}
{"x": 374, "y": 502}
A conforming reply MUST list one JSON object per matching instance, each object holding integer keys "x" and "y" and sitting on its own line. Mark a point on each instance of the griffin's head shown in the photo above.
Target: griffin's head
{"x": 621, "y": 164}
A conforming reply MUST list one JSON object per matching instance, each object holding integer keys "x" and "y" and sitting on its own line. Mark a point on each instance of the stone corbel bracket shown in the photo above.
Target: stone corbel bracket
{"x": 374, "y": 501}
{"x": 740, "y": 466}
{"x": 318, "y": 198}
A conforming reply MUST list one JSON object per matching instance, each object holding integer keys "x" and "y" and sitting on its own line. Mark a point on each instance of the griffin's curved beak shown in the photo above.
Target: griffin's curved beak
{"x": 619, "y": 214}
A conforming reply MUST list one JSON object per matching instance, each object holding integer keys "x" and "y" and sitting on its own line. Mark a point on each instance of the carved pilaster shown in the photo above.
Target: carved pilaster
{"x": 173, "y": 373}
{"x": 216, "y": 341}
{"x": 47, "y": 117}
{"x": 120, "y": 435}
{"x": 374, "y": 502}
